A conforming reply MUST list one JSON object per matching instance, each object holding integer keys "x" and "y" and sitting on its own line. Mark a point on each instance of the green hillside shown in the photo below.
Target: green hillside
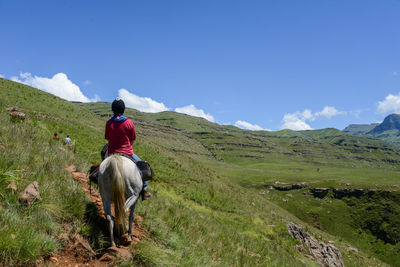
{"x": 212, "y": 203}
{"x": 324, "y": 158}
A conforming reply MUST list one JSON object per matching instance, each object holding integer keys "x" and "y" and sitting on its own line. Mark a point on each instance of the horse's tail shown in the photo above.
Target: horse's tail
{"x": 118, "y": 193}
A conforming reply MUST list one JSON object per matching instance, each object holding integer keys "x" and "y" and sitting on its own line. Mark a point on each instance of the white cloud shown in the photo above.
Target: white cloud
{"x": 248, "y": 126}
{"x": 144, "y": 104}
{"x": 298, "y": 120}
{"x": 87, "y": 82}
{"x": 58, "y": 85}
{"x": 330, "y": 112}
{"x": 390, "y": 104}
{"x": 193, "y": 111}
{"x": 295, "y": 121}
{"x": 1, "y": 75}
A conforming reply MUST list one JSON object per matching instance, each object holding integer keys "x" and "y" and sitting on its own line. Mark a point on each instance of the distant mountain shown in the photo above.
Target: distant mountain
{"x": 391, "y": 122}
{"x": 360, "y": 129}
{"x": 388, "y": 130}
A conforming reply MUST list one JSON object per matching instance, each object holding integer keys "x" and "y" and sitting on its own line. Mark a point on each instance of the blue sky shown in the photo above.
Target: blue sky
{"x": 275, "y": 64}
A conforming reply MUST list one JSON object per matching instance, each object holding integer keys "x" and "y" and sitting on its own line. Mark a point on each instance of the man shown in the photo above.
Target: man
{"x": 67, "y": 140}
{"x": 120, "y": 134}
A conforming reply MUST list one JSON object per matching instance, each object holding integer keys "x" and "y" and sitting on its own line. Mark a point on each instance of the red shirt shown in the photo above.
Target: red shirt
{"x": 120, "y": 136}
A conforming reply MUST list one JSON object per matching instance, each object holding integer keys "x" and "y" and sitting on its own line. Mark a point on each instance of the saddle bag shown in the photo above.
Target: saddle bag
{"x": 94, "y": 173}
{"x": 145, "y": 168}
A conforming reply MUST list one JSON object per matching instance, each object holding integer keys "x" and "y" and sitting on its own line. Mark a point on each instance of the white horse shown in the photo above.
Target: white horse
{"x": 120, "y": 182}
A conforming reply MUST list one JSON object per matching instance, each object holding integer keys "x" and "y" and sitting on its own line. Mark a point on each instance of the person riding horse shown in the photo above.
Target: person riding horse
{"x": 120, "y": 134}
{"x": 122, "y": 176}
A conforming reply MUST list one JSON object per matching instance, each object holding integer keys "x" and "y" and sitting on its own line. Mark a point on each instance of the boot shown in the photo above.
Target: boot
{"x": 146, "y": 194}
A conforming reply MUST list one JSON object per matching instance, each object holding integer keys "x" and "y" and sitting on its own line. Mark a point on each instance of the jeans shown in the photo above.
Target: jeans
{"x": 136, "y": 158}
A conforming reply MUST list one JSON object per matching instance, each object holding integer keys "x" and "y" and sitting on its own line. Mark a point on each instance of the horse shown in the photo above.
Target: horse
{"x": 120, "y": 182}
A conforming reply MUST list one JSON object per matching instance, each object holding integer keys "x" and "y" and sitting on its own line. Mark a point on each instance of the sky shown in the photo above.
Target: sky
{"x": 259, "y": 65}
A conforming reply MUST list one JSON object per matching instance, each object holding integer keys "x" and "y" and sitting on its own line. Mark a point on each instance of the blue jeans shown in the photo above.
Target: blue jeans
{"x": 136, "y": 158}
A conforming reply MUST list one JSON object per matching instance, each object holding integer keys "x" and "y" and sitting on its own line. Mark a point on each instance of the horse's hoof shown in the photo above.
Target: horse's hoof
{"x": 125, "y": 239}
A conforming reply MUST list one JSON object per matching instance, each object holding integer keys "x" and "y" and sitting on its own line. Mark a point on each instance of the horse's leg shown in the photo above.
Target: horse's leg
{"x": 132, "y": 211}
{"x": 107, "y": 211}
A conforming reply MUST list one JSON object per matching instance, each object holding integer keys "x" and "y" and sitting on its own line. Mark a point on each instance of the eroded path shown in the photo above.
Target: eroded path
{"x": 77, "y": 251}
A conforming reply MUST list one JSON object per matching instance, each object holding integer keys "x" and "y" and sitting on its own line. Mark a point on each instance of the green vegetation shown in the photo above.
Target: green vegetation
{"x": 211, "y": 205}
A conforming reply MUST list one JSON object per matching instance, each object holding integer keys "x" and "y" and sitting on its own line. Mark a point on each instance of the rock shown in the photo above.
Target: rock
{"x": 105, "y": 257}
{"x": 252, "y": 254}
{"x": 12, "y": 186}
{"x": 120, "y": 252}
{"x": 351, "y": 249}
{"x": 289, "y": 195}
{"x": 14, "y": 108}
{"x": 53, "y": 259}
{"x": 30, "y": 193}
{"x": 319, "y": 192}
{"x": 344, "y": 192}
{"x": 286, "y": 187}
{"x": 326, "y": 255}
{"x": 17, "y": 116}
{"x": 79, "y": 176}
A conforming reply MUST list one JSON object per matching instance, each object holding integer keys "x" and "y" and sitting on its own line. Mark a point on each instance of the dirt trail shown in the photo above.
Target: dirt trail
{"x": 78, "y": 252}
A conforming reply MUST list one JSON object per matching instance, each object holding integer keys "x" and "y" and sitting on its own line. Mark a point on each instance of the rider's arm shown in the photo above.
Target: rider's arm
{"x": 107, "y": 134}
{"x": 132, "y": 135}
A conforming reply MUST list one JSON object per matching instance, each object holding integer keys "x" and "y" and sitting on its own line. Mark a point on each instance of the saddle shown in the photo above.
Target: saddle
{"x": 143, "y": 166}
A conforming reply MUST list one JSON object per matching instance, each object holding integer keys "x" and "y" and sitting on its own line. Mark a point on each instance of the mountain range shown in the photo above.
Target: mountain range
{"x": 388, "y": 130}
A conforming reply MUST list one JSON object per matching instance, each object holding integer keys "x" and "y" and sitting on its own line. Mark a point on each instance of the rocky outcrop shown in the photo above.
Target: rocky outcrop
{"x": 319, "y": 192}
{"x": 30, "y": 193}
{"x": 287, "y": 187}
{"x": 325, "y": 254}
{"x": 16, "y": 115}
{"x": 340, "y": 193}
{"x": 344, "y": 192}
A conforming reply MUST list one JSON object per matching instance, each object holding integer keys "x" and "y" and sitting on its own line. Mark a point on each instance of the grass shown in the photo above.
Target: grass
{"x": 29, "y": 233}
{"x": 207, "y": 207}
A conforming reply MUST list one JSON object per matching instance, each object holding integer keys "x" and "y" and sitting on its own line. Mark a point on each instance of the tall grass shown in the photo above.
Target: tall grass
{"x": 27, "y": 154}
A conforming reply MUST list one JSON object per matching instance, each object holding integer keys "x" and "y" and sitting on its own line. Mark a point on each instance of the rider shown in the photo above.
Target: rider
{"x": 120, "y": 133}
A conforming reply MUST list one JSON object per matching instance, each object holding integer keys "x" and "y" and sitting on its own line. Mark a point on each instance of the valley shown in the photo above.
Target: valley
{"x": 214, "y": 198}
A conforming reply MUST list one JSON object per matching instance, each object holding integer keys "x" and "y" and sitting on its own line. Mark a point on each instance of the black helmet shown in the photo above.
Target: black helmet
{"x": 118, "y": 106}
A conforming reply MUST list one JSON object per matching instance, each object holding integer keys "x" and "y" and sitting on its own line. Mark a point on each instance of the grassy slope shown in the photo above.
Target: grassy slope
{"x": 327, "y": 158}
{"x": 199, "y": 215}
